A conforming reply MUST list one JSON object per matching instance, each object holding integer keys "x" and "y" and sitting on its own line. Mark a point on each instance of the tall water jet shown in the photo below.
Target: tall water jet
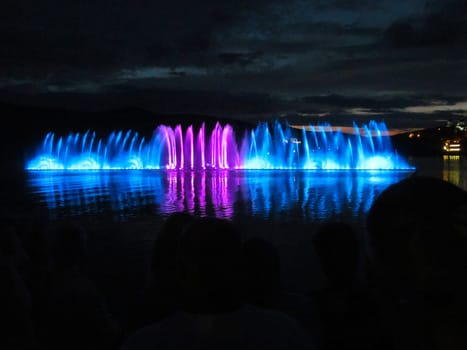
{"x": 267, "y": 146}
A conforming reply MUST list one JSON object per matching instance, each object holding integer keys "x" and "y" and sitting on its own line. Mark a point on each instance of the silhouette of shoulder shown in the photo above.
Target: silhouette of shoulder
{"x": 246, "y": 328}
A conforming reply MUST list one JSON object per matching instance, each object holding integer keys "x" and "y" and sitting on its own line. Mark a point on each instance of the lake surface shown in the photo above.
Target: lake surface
{"x": 307, "y": 196}
{"x": 272, "y": 195}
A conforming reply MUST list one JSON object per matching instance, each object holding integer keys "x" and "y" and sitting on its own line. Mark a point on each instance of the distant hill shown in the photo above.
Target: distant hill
{"x": 427, "y": 142}
{"x": 38, "y": 119}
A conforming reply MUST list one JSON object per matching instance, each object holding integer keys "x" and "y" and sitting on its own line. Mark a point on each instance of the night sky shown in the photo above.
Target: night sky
{"x": 404, "y": 61}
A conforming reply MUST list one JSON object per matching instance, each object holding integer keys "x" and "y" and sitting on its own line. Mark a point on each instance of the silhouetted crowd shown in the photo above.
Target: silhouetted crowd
{"x": 207, "y": 288}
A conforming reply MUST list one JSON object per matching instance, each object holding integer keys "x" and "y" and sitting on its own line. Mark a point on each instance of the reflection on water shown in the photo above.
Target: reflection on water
{"x": 277, "y": 195}
{"x": 452, "y": 170}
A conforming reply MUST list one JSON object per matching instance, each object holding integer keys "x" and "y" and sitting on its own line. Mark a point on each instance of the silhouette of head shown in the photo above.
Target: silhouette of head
{"x": 262, "y": 271}
{"x": 9, "y": 240}
{"x": 210, "y": 266}
{"x": 69, "y": 247}
{"x": 163, "y": 267}
{"x": 11, "y": 246}
{"x": 336, "y": 244}
{"x": 417, "y": 234}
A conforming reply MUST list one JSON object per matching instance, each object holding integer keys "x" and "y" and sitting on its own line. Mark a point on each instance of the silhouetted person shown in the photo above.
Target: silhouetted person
{"x": 33, "y": 233}
{"x": 36, "y": 245}
{"x": 337, "y": 246}
{"x": 17, "y": 328}
{"x": 160, "y": 296}
{"x": 265, "y": 289}
{"x": 418, "y": 237}
{"x": 13, "y": 248}
{"x": 74, "y": 314}
{"x": 346, "y": 314}
{"x": 213, "y": 314}
{"x": 263, "y": 273}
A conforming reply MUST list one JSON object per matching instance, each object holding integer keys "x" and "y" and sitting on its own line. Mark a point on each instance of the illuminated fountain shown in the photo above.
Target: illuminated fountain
{"x": 268, "y": 146}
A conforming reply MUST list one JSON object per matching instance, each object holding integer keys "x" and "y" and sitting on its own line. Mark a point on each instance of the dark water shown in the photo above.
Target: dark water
{"x": 273, "y": 196}
{"x": 307, "y": 196}
{"x": 448, "y": 168}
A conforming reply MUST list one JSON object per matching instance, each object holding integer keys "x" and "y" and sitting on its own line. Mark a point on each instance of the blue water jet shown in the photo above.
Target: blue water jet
{"x": 267, "y": 146}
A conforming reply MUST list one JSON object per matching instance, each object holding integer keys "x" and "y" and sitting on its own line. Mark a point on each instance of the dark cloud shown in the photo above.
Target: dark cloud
{"x": 435, "y": 30}
{"x": 178, "y": 73}
{"x": 234, "y": 56}
{"x": 344, "y": 4}
{"x": 241, "y": 59}
{"x": 443, "y": 24}
{"x": 90, "y": 35}
{"x": 165, "y": 101}
{"x": 378, "y": 104}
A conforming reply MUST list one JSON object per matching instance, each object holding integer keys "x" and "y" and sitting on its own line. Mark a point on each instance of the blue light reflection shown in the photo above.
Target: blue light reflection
{"x": 277, "y": 195}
